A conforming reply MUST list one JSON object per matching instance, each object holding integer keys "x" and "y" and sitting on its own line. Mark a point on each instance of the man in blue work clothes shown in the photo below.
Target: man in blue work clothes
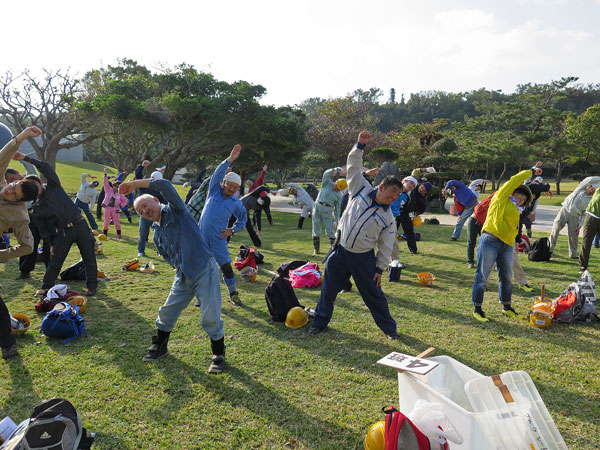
{"x": 367, "y": 222}
{"x": 465, "y": 201}
{"x": 178, "y": 240}
{"x": 326, "y": 211}
{"x": 221, "y": 204}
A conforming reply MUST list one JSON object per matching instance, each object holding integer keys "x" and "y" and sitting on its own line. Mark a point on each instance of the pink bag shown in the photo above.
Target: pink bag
{"x": 307, "y": 275}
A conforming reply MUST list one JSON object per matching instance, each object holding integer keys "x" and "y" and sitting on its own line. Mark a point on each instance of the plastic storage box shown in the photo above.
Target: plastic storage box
{"x": 484, "y": 423}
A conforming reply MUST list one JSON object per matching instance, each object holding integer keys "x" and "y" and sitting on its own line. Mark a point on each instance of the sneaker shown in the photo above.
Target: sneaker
{"x": 23, "y": 276}
{"x": 526, "y": 287}
{"x": 155, "y": 351}
{"x": 217, "y": 364}
{"x": 583, "y": 269}
{"x": 453, "y": 238}
{"x": 95, "y": 232}
{"x": 596, "y": 246}
{"x": 197, "y": 304}
{"x": 471, "y": 265}
{"x": 393, "y": 336}
{"x": 9, "y": 352}
{"x": 574, "y": 257}
{"x": 141, "y": 255}
{"x": 90, "y": 292}
{"x": 235, "y": 299}
{"x": 316, "y": 330}
{"x": 510, "y": 312}
{"x": 480, "y": 315}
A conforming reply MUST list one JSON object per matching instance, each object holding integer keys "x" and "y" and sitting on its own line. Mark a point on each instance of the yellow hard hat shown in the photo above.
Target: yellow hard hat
{"x": 25, "y": 321}
{"x": 375, "y": 438}
{"x": 417, "y": 221}
{"x": 426, "y": 278}
{"x": 248, "y": 273}
{"x": 540, "y": 315}
{"x": 296, "y": 318}
{"x": 79, "y": 300}
{"x": 102, "y": 237}
{"x": 341, "y": 184}
{"x": 131, "y": 265}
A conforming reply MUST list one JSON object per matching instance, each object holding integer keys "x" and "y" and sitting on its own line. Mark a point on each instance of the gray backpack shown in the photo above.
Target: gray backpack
{"x": 54, "y": 425}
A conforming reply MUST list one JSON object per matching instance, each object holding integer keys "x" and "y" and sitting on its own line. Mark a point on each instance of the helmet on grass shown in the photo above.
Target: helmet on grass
{"x": 296, "y": 318}
{"x": 375, "y": 438}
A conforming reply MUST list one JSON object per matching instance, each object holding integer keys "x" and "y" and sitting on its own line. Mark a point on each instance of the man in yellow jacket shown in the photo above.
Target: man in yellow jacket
{"x": 497, "y": 241}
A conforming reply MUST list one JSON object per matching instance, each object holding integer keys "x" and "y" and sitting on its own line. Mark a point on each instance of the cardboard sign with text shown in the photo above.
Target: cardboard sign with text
{"x": 400, "y": 361}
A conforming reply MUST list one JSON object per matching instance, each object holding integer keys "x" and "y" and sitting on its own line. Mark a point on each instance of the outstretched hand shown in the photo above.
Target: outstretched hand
{"x": 126, "y": 188}
{"x": 373, "y": 171}
{"x": 364, "y": 137}
{"x": 18, "y": 156}
{"x": 29, "y": 132}
{"x": 265, "y": 167}
{"x": 235, "y": 153}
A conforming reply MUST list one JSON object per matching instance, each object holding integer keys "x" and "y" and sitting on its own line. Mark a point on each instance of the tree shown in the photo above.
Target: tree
{"x": 47, "y": 103}
{"x": 584, "y": 132}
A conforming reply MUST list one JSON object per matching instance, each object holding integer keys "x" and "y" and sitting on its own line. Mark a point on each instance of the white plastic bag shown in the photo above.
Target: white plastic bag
{"x": 433, "y": 423}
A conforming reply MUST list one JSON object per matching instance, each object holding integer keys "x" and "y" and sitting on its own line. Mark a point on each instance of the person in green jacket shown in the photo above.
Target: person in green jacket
{"x": 496, "y": 245}
{"x": 591, "y": 226}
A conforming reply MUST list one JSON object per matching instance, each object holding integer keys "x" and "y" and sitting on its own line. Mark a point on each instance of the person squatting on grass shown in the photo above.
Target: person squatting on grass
{"x": 61, "y": 224}
{"x": 465, "y": 201}
{"x": 221, "y": 204}
{"x": 14, "y": 217}
{"x": 497, "y": 242}
{"x": 367, "y": 222}
{"x": 112, "y": 202}
{"x": 572, "y": 214}
{"x": 86, "y": 199}
{"x": 326, "y": 212}
{"x": 179, "y": 241}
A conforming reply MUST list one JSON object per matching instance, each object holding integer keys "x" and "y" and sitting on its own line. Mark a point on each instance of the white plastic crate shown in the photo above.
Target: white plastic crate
{"x": 483, "y": 425}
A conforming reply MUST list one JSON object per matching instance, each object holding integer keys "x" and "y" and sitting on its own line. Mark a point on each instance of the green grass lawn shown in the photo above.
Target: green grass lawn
{"x": 284, "y": 388}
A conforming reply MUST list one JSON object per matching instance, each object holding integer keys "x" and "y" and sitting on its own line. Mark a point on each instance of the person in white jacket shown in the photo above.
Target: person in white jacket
{"x": 301, "y": 200}
{"x": 367, "y": 223}
{"x": 86, "y": 199}
{"x": 572, "y": 214}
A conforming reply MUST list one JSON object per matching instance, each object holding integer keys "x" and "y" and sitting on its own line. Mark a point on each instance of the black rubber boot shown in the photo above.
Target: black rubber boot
{"x": 217, "y": 364}
{"x": 300, "y": 222}
{"x": 158, "y": 347}
{"x": 316, "y": 244}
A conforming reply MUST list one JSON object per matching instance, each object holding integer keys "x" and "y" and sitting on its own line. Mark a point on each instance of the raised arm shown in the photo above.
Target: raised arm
{"x": 354, "y": 164}
{"x": 10, "y": 149}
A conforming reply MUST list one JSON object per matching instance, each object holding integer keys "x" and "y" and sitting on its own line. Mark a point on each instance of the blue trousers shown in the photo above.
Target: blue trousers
{"x": 340, "y": 265}
{"x": 144, "y": 232}
{"x": 492, "y": 250}
{"x": 205, "y": 287}
{"x": 467, "y": 212}
{"x": 86, "y": 210}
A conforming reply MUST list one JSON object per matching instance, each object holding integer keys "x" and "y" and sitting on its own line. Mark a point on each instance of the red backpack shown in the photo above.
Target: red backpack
{"x": 402, "y": 434}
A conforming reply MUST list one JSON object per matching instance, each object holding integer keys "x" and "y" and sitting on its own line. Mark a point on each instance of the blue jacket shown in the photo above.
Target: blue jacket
{"x": 177, "y": 236}
{"x": 462, "y": 193}
{"x": 218, "y": 209}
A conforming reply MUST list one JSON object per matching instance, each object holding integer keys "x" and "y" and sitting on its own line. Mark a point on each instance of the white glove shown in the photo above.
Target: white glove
{"x": 430, "y": 170}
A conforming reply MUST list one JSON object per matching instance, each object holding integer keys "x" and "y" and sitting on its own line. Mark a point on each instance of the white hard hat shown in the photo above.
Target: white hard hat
{"x": 233, "y": 178}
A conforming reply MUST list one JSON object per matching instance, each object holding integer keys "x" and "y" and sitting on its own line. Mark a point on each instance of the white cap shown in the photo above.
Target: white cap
{"x": 233, "y": 177}
{"x": 538, "y": 179}
{"x": 409, "y": 178}
{"x": 156, "y": 175}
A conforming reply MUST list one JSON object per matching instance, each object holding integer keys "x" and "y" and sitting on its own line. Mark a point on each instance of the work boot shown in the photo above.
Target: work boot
{"x": 158, "y": 347}
{"x": 300, "y": 222}
{"x": 217, "y": 363}
{"x": 9, "y": 352}
{"x": 234, "y": 298}
{"x": 316, "y": 245}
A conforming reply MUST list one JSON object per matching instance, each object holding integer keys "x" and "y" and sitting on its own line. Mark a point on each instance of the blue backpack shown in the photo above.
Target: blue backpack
{"x": 63, "y": 322}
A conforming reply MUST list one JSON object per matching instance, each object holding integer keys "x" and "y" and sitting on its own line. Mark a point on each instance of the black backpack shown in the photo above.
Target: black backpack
{"x": 540, "y": 250}
{"x": 279, "y": 294}
{"x": 53, "y": 425}
{"x": 74, "y": 272}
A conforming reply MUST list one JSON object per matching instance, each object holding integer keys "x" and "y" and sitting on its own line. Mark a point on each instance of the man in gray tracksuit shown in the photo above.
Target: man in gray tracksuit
{"x": 326, "y": 212}
{"x": 367, "y": 222}
{"x": 572, "y": 214}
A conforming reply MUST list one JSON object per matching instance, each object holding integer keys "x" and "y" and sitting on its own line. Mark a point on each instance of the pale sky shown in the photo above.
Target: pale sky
{"x": 311, "y": 48}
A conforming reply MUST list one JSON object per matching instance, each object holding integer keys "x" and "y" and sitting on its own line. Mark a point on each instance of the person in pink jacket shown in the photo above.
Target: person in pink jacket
{"x": 112, "y": 202}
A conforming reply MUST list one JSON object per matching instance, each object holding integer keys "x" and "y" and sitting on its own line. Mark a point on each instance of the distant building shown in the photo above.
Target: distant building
{"x": 66, "y": 154}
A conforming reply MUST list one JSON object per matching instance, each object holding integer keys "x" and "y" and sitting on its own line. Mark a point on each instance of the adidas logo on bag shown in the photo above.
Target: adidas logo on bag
{"x": 45, "y": 435}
